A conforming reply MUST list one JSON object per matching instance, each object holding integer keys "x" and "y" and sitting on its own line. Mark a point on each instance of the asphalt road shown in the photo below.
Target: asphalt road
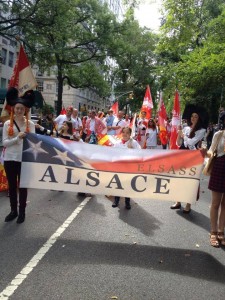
{"x": 79, "y": 248}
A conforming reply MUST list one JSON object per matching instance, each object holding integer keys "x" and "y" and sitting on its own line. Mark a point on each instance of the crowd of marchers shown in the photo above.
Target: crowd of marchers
{"x": 193, "y": 133}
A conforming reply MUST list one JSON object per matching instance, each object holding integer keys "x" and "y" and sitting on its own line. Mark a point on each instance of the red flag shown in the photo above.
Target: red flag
{"x": 115, "y": 108}
{"x": 147, "y": 105}
{"x": 63, "y": 111}
{"x": 162, "y": 122}
{"x": 22, "y": 78}
{"x": 175, "y": 122}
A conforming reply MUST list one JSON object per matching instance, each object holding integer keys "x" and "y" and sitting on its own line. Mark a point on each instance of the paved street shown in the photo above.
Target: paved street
{"x": 98, "y": 252}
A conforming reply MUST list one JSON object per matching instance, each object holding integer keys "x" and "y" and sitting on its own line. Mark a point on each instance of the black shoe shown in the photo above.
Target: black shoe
{"x": 127, "y": 205}
{"x": 20, "y": 219}
{"x": 11, "y": 216}
{"x": 175, "y": 206}
{"x": 81, "y": 194}
{"x": 115, "y": 203}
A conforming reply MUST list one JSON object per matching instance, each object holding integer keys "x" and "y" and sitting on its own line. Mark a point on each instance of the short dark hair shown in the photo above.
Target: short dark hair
{"x": 130, "y": 130}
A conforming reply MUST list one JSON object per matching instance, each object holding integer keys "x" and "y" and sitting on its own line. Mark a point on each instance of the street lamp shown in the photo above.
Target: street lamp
{"x": 112, "y": 97}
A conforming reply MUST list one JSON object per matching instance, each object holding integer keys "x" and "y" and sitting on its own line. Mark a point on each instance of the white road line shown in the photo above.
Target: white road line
{"x": 18, "y": 280}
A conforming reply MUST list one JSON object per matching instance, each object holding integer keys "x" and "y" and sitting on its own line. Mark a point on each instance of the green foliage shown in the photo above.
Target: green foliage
{"x": 191, "y": 52}
{"x": 47, "y": 109}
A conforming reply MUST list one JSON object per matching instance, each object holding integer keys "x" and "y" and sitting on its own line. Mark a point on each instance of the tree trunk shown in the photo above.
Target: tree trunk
{"x": 60, "y": 91}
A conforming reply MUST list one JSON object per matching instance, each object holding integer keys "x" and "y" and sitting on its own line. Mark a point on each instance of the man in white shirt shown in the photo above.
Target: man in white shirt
{"x": 118, "y": 124}
{"x": 67, "y": 117}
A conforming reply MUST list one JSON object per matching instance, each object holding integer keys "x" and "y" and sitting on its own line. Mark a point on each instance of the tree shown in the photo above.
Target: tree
{"x": 135, "y": 51}
{"x": 16, "y": 13}
{"x": 76, "y": 43}
{"x": 188, "y": 54}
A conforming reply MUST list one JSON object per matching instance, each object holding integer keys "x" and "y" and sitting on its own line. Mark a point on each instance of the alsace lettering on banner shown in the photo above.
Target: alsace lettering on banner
{"x": 57, "y": 164}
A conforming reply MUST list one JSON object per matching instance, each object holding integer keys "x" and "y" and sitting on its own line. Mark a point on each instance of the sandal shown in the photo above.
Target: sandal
{"x": 214, "y": 239}
{"x": 220, "y": 237}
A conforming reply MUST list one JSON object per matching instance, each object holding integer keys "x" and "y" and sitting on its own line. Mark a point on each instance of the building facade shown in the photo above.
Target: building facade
{"x": 8, "y": 55}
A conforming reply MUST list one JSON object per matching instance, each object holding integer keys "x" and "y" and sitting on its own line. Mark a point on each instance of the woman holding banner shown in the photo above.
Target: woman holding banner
{"x": 190, "y": 137}
{"x": 14, "y": 131}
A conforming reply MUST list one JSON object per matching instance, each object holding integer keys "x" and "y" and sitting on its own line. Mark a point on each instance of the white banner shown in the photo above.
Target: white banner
{"x": 57, "y": 164}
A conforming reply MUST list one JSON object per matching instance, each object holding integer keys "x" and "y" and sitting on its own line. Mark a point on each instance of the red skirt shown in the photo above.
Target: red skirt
{"x": 217, "y": 177}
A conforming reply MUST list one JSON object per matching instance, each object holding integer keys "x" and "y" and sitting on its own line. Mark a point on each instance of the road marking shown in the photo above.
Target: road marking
{"x": 18, "y": 280}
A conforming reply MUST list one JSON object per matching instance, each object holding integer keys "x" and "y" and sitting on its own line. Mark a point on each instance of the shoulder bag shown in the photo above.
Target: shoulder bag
{"x": 209, "y": 165}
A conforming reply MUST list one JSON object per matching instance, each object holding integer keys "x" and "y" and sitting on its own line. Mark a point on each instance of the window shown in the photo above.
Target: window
{"x": 12, "y": 43}
{"x": 48, "y": 86}
{"x": 3, "y": 83}
{"x": 11, "y": 56}
{"x": 4, "y": 55}
{"x": 40, "y": 86}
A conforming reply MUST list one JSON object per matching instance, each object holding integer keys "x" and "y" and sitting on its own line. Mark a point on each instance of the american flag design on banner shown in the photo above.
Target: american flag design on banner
{"x": 57, "y": 164}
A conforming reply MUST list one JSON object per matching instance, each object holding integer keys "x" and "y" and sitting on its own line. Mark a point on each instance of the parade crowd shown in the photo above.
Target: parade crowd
{"x": 193, "y": 134}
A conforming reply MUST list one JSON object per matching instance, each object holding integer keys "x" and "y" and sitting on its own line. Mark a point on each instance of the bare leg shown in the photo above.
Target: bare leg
{"x": 214, "y": 210}
{"x": 222, "y": 215}
{"x": 221, "y": 224}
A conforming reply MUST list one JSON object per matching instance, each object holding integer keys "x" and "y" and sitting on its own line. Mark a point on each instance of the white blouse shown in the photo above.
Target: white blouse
{"x": 13, "y": 144}
{"x": 131, "y": 143}
{"x": 191, "y": 142}
{"x": 221, "y": 145}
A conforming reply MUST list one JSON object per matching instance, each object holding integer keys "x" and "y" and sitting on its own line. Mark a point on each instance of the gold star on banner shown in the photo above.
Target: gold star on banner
{"x": 35, "y": 149}
{"x": 62, "y": 156}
